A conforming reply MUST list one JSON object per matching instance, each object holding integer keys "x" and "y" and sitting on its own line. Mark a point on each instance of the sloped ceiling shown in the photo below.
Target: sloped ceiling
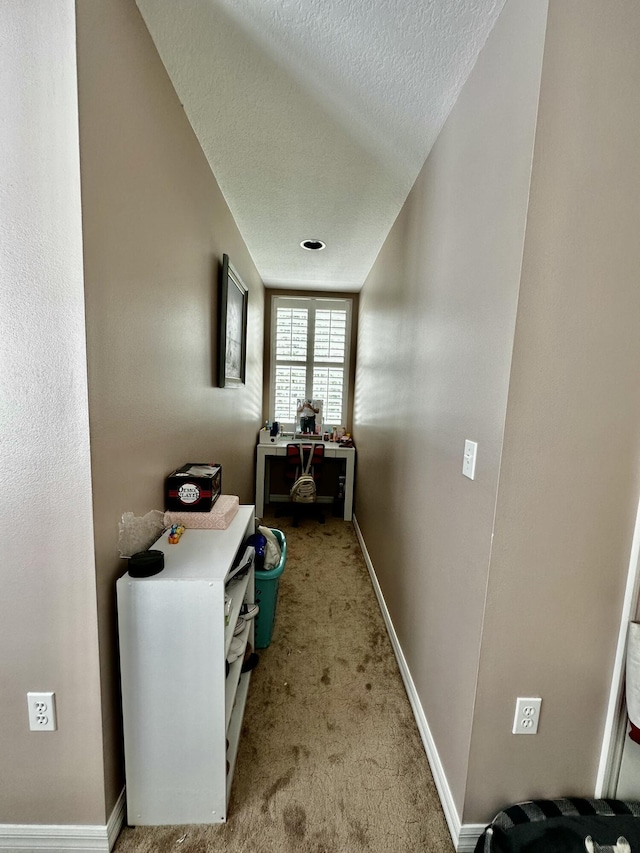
{"x": 317, "y": 115}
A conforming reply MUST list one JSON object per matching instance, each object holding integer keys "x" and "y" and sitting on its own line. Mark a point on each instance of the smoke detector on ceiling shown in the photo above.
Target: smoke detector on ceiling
{"x": 312, "y": 245}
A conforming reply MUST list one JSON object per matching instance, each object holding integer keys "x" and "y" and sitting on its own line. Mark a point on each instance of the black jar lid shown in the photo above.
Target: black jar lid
{"x": 144, "y": 564}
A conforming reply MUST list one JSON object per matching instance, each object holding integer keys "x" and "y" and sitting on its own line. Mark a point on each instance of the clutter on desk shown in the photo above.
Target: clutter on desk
{"x": 270, "y": 433}
{"x": 195, "y": 487}
{"x": 219, "y": 516}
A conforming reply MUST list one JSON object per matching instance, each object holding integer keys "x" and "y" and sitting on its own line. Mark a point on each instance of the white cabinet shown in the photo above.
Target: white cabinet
{"x": 179, "y": 708}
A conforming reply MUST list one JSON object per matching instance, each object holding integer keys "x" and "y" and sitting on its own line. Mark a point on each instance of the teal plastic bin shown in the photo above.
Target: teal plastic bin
{"x": 267, "y": 584}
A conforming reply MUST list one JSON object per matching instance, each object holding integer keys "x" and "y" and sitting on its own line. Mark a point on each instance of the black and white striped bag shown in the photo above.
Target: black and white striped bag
{"x": 570, "y": 825}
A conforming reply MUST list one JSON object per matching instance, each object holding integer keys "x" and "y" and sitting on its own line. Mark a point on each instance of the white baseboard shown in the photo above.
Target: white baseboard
{"x": 464, "y": 836}
{"x": 116, "y": 819}
{"x": 16, "y": 838}
{"x": 468, "y": 837}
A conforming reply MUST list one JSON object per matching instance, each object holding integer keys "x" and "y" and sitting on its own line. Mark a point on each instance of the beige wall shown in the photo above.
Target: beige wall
{"x": 155, "y": 229}
{"x": 569, "y": 480}
{"x": 436, "y": 328}
{"x": 529, "y": 602}
{"x": 48, "y": 632}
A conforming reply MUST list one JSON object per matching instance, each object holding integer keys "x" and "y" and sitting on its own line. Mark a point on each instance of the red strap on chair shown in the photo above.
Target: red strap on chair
{"x": 318, "y": 455}
{"x": 293, "y": 462}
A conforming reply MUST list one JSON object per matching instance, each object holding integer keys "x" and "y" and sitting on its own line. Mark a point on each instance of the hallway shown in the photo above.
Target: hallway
{"x": 330, "y": 760}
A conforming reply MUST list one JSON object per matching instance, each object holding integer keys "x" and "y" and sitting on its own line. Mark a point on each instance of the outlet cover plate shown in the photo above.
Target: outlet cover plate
{"x": 42, "y": 712}
{"x": 469, "y": 459}
{"x": 527, "y": 716}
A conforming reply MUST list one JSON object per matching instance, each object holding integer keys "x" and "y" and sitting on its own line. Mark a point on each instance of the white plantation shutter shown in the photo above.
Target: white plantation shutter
{"x": 309, "y": 356}
{"x": 328, "y": 385}
{"x": 330, "y": 336}
{"x": 291, "y": 334}
{"x": 290, "y": 386}
{"x": 291, "y": 345}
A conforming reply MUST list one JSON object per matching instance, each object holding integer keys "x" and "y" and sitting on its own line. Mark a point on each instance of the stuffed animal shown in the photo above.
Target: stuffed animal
{"x": 621, "y": 846}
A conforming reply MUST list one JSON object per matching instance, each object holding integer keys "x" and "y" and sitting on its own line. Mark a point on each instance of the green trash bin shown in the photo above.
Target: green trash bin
{"x": 267, "y": 583}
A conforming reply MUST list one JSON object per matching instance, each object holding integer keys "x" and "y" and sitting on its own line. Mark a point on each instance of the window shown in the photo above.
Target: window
{"x": 309, "y": 356}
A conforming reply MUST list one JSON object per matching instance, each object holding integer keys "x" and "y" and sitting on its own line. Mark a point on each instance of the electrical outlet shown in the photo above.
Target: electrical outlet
{"x": 525, "y": 721}
{"x": 42, "y": 712}
{"x": 469, "y": 459}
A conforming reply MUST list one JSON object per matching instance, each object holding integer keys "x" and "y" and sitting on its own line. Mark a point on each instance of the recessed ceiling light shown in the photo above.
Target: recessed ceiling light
{"x": 312, "y": 245}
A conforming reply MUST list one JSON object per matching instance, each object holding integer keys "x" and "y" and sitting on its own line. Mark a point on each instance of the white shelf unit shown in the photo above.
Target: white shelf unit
{"x": 179, "y": 710}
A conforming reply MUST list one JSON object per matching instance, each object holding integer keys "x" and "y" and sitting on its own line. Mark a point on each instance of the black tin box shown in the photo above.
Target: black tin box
{"x": 194, "y": 487}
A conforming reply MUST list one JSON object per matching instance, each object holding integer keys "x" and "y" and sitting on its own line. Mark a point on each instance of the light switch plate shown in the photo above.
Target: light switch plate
{"x": 469, "y": 459}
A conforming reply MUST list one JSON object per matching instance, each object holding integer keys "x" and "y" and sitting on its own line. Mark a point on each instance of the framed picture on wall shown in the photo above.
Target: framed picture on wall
{"x": 232, "y": 332}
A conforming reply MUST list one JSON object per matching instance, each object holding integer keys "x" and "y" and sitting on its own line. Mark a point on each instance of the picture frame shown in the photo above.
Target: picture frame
{"x": 232, "y": 327}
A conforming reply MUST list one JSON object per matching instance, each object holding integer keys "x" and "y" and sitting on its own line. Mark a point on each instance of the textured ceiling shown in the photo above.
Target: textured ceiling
{"x": 317, "y": 115}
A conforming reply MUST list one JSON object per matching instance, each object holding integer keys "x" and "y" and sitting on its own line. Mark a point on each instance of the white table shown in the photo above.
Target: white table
{"x": 332, "y": 450}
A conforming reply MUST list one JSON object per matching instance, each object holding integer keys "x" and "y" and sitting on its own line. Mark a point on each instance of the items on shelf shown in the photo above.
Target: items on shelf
{"x": 145, "y": 564}
{"x": 242, "y": 562}
{"x": 235, "y": 649}
{"x": 175, "y": 533}
{"x": 219, "y": 517}
{"x": 195, "y": 487}
{"x": 250, "y": 660}
{"x": 249, "y": 611}
{"x": 136, "y": 534}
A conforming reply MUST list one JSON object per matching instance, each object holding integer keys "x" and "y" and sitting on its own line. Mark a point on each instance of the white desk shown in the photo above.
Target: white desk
{"x": 332, "y": 450}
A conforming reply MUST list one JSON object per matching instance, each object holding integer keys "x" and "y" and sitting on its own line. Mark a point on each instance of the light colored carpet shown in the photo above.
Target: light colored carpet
{"x": 330, "y": 760}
